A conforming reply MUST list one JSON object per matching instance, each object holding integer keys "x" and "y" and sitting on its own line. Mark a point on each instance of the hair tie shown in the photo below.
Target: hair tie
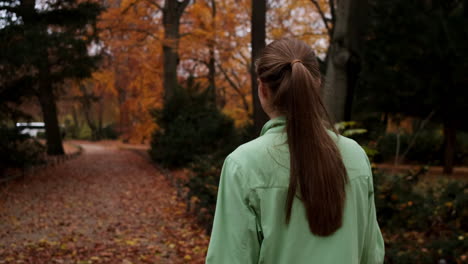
{"x": 294, "y": 61}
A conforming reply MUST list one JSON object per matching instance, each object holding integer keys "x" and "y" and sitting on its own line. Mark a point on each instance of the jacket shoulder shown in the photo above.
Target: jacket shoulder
{"x": 354, "y": 157}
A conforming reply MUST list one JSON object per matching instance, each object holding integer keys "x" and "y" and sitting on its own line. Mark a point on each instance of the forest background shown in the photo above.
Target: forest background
{"x": 177, "y": 75}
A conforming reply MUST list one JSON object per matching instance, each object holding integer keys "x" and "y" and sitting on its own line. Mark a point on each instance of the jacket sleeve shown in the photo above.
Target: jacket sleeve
{"x": 374, "y": 247}
{"x": 234, "y": 236}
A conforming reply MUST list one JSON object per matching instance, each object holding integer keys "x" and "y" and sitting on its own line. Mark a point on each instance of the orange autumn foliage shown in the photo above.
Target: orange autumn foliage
{"x": 132, "y": 36}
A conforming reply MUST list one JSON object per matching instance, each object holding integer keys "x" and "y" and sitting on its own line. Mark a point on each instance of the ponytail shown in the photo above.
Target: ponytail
{"x": 316, "y": 167}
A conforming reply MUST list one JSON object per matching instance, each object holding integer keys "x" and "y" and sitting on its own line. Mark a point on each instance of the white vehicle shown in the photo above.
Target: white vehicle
{"x": 31, "y": 129}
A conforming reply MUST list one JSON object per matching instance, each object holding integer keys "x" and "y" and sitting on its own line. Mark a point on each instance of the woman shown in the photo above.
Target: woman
{"x": 299, "y": 193}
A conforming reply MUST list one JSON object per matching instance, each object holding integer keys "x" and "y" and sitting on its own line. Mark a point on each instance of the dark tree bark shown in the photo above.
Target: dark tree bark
{"x": 45, "y": 92}
{"x": 87, "y": 100}
{"x": 258, "y": 43}
{"x": 344, "y": 57}
{"x": 49, "y": 113}
{"x": 212, "y": 61}
{"x": 172, "y": 12}
{"x": 353, "y": 70}
{"x": 465, "y": 8}
{"x": 450, "y": 137}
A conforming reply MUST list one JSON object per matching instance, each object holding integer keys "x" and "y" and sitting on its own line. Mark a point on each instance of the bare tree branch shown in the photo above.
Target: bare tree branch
{"x": 333, "y": 12}
{"x": 154, "y": 3}
{"x": 322, "y": 15}
{"x": 129, "y": 6}
{"x": 235, "y": 87}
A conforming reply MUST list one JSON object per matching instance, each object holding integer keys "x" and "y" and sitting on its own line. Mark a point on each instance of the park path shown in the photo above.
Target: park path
{"x": 108, "y": 205}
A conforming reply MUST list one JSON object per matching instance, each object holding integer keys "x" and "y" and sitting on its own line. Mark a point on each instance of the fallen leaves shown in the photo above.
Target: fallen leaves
{"x": 106, "y": 206}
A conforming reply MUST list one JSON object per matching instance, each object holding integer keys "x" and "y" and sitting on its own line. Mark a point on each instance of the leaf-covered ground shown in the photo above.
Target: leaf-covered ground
{"x": 106, "y": 206}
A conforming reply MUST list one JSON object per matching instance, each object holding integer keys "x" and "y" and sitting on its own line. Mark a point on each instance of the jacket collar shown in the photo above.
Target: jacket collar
{"x": 275, "y": 125}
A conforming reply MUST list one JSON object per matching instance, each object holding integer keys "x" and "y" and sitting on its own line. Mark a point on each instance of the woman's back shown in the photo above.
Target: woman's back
{"x": 250, "y": 227}
{"x": 299, "y": 193}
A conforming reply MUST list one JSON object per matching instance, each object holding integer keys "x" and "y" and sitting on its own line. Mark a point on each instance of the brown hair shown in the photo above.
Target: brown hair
{"x": 289, "y": 68}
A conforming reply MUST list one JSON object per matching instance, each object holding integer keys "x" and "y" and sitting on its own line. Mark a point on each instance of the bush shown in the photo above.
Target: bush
{"x": 422, "y": 222}
{"x": 203, "y": 184}
{"x": 426, "y": 149}
{"x": 203, "y": 189}
{"x": 109, "y": 132}
{"x": 85, "y": 133}
{"x": 190, "y": 126}
{"x": 193, "y": 133}
{"x": 19, "y": 151}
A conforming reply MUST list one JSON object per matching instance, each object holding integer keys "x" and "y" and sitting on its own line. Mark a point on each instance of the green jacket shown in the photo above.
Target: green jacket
{"x": 249, "y": 224}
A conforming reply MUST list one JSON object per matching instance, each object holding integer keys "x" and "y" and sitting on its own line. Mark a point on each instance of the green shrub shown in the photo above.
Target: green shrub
{"x": 41, "y": 135}
{"x": 422, "y": 221}
{"x": 190, "y": 126}
{"x": 461, "y": 149}
{"x": 203, "y": 189}
{"x": 427, "y": 147}
{"x": 398, "y": 205}
{"x": 19, "y": 151}
{"x": 109, "y": 132}
{"x": 195, "y": 134}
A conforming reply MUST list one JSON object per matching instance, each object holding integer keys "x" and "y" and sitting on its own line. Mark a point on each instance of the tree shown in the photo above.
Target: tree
{"x": 172, "y": 12}
{"x": 258, "y": 43}
{"x": 52, "y": 42}
{"x": 343, "y": 57}
{"x": 415, "y": 63}
{"x": 212, "y": 46}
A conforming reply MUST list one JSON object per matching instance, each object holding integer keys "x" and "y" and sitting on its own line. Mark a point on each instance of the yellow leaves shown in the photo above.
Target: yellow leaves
{"x": 132, "y": 242}
{"x": 201, "y": 13}
{"x": 14, "y": 220}
{"x": 126, "y": 261}
{"x": 277, "y": 33}
{"x": 105, "y": 80}
{"x": 95, "y": 258}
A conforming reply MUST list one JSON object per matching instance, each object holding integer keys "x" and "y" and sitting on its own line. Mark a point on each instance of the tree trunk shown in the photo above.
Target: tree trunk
{"x": 87, "y": 113}
{"x": 465, "y": 8}
{"x": 258, "y": 43}
{"x": 342, "y": 71}
{"x": 100, "y": 119}
{"x": 45, "y": 92}
{"x": 211, "y": 46}
{"x": 172, "y": 12}
{"x": 77, "y": 123}
{"x": 450, "y": 137}
{"x": 49, "y": 113}
{"x": 352, "y": 71}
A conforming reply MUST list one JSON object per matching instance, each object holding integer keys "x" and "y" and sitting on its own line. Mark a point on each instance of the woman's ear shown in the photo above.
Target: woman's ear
{"x": 262, "y": 90}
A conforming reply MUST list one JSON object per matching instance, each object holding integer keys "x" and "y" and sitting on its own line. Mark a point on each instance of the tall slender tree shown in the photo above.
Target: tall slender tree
{"x": 172, "y": 12}
{"x": 212, "y": 46}
{"x": 258, "y": 32}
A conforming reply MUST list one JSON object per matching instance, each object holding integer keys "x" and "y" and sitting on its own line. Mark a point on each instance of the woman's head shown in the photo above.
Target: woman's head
{"x": 289, "y": 85}
{"x": 286, "y": 63}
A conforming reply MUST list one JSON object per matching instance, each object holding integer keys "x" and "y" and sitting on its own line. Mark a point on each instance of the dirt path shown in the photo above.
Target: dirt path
{"x": 106, "y": 206}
